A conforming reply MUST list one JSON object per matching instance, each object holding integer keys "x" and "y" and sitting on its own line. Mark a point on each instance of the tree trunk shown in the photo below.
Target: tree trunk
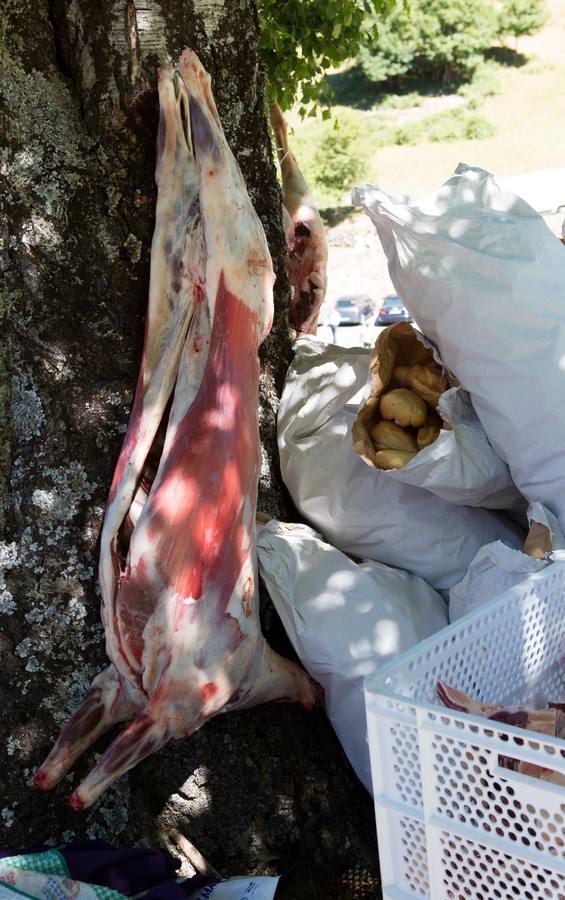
{"x": 80, "y": 112}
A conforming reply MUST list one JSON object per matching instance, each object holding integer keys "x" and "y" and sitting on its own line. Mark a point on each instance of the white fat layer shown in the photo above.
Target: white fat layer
{"x": 243, "y": 259}
{"x": 137, "y": 505}
{"x": 192, "y": 362}
{"x": 235, "y": 241}
{"x": 296, "y": 194}
{"x": 172, "y": 647}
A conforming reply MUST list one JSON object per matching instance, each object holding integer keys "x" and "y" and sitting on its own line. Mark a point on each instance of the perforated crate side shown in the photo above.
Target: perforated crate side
{"x": 470, "y": 790}
{"x": 508, "y": 651}
{"x": 403, "y": 856}
{"x": 394, "y": 749}
{"x": 469, "y": 870}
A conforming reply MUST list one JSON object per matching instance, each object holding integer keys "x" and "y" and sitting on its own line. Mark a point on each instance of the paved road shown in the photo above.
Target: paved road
{"x": 347, "y": 335}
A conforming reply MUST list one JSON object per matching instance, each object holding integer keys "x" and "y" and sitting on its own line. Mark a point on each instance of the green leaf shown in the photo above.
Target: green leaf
{"x": 298, "y": 47}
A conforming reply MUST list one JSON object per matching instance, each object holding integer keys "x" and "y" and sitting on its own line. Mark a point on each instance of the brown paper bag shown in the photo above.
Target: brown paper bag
{"x": 538, "y": 541}
{"x": 397, "y": 345}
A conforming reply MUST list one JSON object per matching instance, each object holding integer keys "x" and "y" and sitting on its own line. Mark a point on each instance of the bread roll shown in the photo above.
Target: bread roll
{"x": 388, "y": 436}
{"x": 427, "y": 434}
{"x": 538, "y": 541}
{"x": 403, "y": 407}
{"x": 393, "y": 459}
{"x": 428, "y": 383}
{"x": 401, "y": 376}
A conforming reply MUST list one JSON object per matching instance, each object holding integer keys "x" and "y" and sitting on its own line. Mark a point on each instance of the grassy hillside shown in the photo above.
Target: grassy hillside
{"x": 525, "y": 118}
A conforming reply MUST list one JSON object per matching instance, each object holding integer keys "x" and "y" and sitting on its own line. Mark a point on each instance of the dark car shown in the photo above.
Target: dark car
{"x": 350, "y": 309}
{"x": 393, "y": 310}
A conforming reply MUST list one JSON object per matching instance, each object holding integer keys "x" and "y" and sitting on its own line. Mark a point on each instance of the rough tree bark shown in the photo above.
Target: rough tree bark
{"x": 79, "y": 115}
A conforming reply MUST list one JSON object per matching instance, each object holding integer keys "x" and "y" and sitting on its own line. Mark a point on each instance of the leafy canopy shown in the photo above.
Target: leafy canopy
{"x": 518, "y": 17}
{"x": 436, "y": 40}
{"x": 301, "y": 39}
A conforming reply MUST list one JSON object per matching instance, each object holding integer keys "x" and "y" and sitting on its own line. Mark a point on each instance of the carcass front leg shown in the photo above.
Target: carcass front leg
{"x": 144, "y": 736}
{"x": 110, "y": 700}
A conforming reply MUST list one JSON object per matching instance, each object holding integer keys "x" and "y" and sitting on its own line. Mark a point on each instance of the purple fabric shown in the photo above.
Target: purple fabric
{"x": 127, "y": 870}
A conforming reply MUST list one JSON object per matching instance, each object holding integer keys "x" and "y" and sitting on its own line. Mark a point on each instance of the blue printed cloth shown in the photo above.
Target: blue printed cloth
{"x": 46, "y": 876}
{"x": 93, "y": 870}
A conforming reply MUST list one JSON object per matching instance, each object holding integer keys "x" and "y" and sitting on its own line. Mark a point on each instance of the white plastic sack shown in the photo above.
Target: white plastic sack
{"x": 485, "y": 279}
{"x": 461, "y": 465}
{"x": 344, "y": 621}
{"x": 241, "y": 887}
{"x": 496, "y": 568}
{"x": 363, "y": 511}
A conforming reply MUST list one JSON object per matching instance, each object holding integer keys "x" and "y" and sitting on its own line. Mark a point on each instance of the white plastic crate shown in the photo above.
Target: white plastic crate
{"x": 452, "y": 823}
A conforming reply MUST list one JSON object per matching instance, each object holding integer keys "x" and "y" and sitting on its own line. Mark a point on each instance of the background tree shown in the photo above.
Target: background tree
{"x": 520, "y": 17}
{"x": 432, "y": 40}
{"x": 78, "y": 105}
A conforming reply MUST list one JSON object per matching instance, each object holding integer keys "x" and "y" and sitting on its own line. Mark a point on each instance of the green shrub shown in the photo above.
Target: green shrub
{"x": 452, "y": 125}
{"x": 485, "y": 82}
{"x": 400, "y": 101}
{"x": 438, "y": 40}
{"x": 337, "y": 161}
{"x": 477, "y": 128}
{"x": 333, "y": 156}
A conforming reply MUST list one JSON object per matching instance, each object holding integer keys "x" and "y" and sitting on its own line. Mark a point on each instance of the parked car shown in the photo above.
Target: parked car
{"x": 392, "y": 310}
{"x": 350, "y": 309}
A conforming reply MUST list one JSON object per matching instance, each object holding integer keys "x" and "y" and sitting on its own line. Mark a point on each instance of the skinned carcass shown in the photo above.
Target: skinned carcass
{"x": 305, "y": 235}
{"x": 178, "y": 570}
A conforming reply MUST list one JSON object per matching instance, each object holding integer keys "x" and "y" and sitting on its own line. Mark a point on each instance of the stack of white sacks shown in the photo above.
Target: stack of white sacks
{"x": 484, "y": 278}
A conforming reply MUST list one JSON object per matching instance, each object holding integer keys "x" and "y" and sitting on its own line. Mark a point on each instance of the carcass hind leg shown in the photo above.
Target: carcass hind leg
{"x": 194, "y": 74}
{"x": 144, "y": 736}
{"x": 110, "y": 699}
{"x": 276, "y": 679}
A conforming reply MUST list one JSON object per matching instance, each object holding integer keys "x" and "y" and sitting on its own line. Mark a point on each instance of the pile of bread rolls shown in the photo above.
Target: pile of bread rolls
{"x": 408, "y": 410}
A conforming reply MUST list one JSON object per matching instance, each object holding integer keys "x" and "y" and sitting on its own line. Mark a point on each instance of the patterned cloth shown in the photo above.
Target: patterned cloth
{"x": 93, "y": 870}
{"x": 46, "y": 876}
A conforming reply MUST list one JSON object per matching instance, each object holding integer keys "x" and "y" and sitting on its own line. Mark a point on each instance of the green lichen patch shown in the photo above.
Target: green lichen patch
{"x": 45, "y": 143}
{"x": 5, "y": 428}
{"x": 59, "y": 502}
{"x": 26, "y": 407}
{"x": 133, "y": 247}
{"x": 8, "y": 560}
